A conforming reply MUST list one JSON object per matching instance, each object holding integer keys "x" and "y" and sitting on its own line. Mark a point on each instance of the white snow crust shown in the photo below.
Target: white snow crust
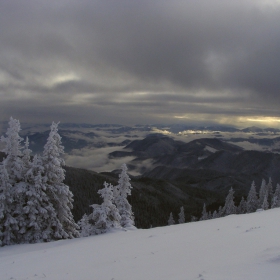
{"x": 234, "y": 247}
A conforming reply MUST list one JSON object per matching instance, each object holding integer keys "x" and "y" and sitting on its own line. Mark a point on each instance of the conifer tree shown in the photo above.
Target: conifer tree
{"x": 86, "y": 228}
{"x": 106, "y": 216}
{"x": 276, "y": 197}
{"x": 252, "y": 199}
{"x": 242, "y": 207}
{"x": 59, "y": 194}
{"x": 181, "y": 216}
{"x": 229, "y": 207}
{"x": 8, "y": 225}
{"x": 204, "y": 213}
{"x": 121, "y": 191}
{"x": 220, "y": 212}
{"x": 171, "y": 221}
{"x": 265, "y": 204}
{"x": 38, "y": 210}
{"x": 12, "y": 170}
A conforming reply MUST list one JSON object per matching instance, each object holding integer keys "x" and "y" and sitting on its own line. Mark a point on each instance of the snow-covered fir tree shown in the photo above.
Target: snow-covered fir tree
{"x": 229, "y": 207}
{"x": 220, "y": 211}
{"x": 171, "y": 221}
{"x": 265, "y": 204}
{"x": 106, "y": 216}
{"x": 60, "y": 195}
{"x": 242, "y": 207}
{"x": 8, "y": 225}
{"x": 276, "y": 197}
{"x": 204, "y": 214}
{"x": 86, "y": 228}
{"x": 252, "y": 199}
{"x": 40, "y": 215}
{"x": 181, "y": 216}
{"x": 121, "y": 191}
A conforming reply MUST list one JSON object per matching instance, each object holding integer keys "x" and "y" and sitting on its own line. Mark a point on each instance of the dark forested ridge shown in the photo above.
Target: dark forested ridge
{"x": 152, "y": 200}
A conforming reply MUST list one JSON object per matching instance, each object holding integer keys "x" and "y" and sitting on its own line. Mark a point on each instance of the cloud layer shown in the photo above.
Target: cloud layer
{"x": 139, "y": 61}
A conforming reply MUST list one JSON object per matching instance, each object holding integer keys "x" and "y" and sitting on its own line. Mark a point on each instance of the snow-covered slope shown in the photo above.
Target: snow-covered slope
{"x": 235, "y": 247}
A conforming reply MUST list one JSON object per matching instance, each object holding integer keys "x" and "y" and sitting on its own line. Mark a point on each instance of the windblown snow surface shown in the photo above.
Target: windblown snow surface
{"x": 235, "y": 247}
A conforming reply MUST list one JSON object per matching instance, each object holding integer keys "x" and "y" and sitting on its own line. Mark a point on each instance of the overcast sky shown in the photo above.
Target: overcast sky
{"x": 140, "y": 61}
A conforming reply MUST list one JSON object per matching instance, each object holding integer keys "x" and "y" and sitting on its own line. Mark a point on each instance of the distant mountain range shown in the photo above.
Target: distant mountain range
{"x": 207, "y": 163}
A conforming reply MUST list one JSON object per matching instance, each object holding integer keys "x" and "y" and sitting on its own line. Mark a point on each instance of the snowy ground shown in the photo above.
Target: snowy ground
{"x": 235, "y": 247}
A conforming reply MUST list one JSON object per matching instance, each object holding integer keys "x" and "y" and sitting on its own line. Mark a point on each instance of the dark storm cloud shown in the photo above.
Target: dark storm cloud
{"x": 150, "y": 59}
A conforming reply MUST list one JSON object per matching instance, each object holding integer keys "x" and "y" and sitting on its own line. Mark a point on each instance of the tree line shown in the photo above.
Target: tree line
{"x": 267, "y": 198}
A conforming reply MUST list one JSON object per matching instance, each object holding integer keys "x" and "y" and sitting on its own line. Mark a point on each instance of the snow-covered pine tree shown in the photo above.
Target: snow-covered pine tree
{"x": 8, "y": 225}
{"x": 40, "y": 216}
{"x": 86, "y": 228}
{"x": 220, "y": 212}
{"x": 229, "y": 207}
{"x": 171, "y": 221}
{"x": 13, "y": 164}
{"x": 276, "y": 197}
{"x": 265, "y": 204}
{"x": 20, "y": 191}
{"x": 181, "y": 216}
{"x": 204, "y": 213}
{"x": 252, "y": 199}
{"x": 59, "y": 194}
{"x": 13, "y": 147}
{"x": 121, "y": 191}
{"x": 242, "y": 207}
{"x": 106, "y": 216}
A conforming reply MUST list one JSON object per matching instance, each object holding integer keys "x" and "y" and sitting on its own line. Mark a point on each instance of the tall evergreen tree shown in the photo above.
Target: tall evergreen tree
{"x": 8, "y": 225}
{"x": 229, "y": 207}
{"x": 181, "y": 216}
{"x": 252, "y": 199}
{"x": 276, "y": 197}
{"x": 12, "y": 170}
{"x": 265, "y": 204}
{"x": 40, "y": 215}
{"x": 121, "y": 191}
{"x": 204, "y": 213}
{"x": 242, "y": 207}
{"x": 60, "y": 195}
